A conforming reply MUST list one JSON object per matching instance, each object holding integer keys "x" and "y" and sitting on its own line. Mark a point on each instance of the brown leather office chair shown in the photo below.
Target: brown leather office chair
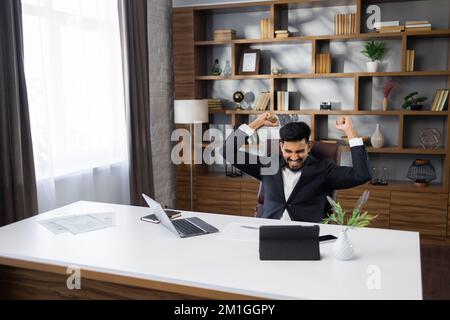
{"x": 320, "y": 150}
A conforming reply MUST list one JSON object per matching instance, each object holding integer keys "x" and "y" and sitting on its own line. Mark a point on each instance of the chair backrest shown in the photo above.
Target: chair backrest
{"x": 320, "y": 150}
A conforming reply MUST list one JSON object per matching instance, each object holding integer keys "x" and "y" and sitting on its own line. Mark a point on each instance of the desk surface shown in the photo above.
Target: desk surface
{"x": 146, "y": 251}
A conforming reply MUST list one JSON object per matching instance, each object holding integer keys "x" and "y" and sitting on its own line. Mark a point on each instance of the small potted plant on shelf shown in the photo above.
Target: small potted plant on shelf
{"x": 343, "y": 248}
{"x": 375, "y": 51}
{"x": 412, "y": 102}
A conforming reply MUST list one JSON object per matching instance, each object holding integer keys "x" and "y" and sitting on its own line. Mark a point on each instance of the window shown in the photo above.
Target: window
{"x": 73, "y": 67}
{"x": 74, "y": 75}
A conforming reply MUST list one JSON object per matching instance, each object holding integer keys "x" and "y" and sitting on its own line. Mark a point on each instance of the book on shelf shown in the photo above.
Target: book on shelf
{"x": 214, "y": 104}
{"x": 419, "y": 29}
{"x": 263, "y": 101}
{"x": 391, "y": 29}
{"x": 282, "y": 100}
{"x": 440, "y": 99}
{"x": 425, "y": 25}
{"x": 224, "y": 34}
{"x": 282, "y": 33}
{"x": 409, "y": 60}
{"x": 420, "y": 25}
{"x": 345, "y": 24}
{"x": 323, "y": 63}
{"x": 264, "y": 28}
{"x": 414, "y": 22}
{"x": 381, "y": 24}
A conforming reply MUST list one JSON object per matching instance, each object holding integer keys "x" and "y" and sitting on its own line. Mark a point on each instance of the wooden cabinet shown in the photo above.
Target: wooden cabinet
{"x": 400, "y": 205}
{"x": 218, "y": 194}
{"x": 378, "y": 204}
{"x": 183, "y": 53}
{"x": 424, "y": 212}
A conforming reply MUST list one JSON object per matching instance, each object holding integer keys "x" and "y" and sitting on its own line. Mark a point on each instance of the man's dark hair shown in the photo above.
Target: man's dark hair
{"x": 295, "y": 131}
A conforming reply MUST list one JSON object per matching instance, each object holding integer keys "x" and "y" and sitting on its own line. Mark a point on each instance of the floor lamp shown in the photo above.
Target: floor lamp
{"x": 191, "y": 112}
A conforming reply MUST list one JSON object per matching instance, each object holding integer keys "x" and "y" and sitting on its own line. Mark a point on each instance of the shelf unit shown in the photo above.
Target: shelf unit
{"x": 193, "y": 43}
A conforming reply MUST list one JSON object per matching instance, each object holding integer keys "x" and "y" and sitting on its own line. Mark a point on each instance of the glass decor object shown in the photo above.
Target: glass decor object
{"x": 430, "y": 138}
{"x": 379, "y": 179}
{"x": 421, "y": 172}
{"x": 216, "y": 69}
{"x": 227, "y": 69}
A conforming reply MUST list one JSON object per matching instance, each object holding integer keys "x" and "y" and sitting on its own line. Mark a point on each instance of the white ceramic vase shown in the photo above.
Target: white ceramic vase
{"x": 385, "y": 103}
{"x": 377, "y": 139}
{"x": 343, "y": 248}
{"x": 372, "y": 66}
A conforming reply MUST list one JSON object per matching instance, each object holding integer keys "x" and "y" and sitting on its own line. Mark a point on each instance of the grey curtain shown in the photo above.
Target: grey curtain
{"x": 135, "y": 39}
{"x": 18, "y": 196}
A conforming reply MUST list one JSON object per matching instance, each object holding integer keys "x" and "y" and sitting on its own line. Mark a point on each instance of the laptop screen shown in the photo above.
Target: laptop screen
{"x": 160, "y": 214}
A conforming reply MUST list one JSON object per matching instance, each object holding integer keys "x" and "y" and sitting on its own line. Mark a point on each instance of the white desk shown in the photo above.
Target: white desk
{"x": 147, "y": 256}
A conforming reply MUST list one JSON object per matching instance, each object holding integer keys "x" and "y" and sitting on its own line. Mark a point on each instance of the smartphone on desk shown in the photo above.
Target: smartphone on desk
{"x": 172, "y": 214}
{"x": 327, "y": 237}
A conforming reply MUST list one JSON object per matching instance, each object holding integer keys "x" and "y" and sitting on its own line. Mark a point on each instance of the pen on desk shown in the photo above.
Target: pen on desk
{"x": 249, "y": 227}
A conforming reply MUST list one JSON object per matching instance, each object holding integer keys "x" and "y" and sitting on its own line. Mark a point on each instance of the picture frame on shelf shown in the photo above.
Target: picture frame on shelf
{"x": 249, "y": 62}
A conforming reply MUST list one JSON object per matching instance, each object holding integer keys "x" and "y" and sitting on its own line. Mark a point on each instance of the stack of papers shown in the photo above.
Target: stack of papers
{"x": 77, "y": 224}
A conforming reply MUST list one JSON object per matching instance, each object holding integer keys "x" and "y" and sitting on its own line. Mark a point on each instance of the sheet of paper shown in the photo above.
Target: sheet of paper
{"x": 240, "y": 232}
{"x": 52, "y": 226}
{"x": 77, "y": 224}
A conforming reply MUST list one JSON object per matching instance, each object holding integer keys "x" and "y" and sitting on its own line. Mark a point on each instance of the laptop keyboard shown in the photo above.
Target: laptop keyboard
{"x": 185, "y": 227}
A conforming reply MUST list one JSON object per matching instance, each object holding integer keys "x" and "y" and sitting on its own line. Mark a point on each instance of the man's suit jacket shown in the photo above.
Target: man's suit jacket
{"x": 319, "y": 178}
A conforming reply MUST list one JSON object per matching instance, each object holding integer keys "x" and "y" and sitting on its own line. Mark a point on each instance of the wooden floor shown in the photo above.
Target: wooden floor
{"x": 435, "y": 271}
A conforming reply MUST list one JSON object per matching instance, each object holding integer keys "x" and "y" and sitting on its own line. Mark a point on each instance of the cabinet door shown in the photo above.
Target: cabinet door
{"x": 249, "y": 192}
{"x": 216, "y": 194}
{"x": 183, "y": 53}
{"x": 378, "y": 204}
{"x": 422, "y": 212}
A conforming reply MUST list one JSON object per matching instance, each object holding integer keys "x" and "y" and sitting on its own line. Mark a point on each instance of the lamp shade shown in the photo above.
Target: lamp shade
{"x": 191, "y": 111}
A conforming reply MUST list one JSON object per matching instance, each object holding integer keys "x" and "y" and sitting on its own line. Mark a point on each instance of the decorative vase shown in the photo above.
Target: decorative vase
{"x": 385, "y": 103}
{"x": 416, "y": 107}
{"x": 372, "y": 66}
{"x": 377, "y": 138}
{"x": 227, "y": 70}
{"x": 421, "y": 172}
{"x": 343, "y": 248}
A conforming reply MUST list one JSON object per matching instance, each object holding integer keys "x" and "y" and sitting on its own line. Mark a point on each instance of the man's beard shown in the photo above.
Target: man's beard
{"x": 300, "y": 167}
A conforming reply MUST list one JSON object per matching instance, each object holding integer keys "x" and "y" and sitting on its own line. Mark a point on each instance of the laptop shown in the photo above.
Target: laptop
{"x": 183, "y": 228}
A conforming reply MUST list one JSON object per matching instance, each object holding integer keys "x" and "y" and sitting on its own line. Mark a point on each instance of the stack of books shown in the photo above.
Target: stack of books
{"x": 409, "y": 60}
{"x": 282, "y": 100}
{"x": 214, "y": 104}
{"x": 440, "y": 99}
{"x": 224, "y": 34}
{"x": 265, "y": 27}
{"x": 323, "y": 63}
{"x": 282, "y": 33}
{"x": 388, "y": 26}
{"x": 263, "y": 101}
{"x": 421, "y": 25}
{"x": 345, "y": 24}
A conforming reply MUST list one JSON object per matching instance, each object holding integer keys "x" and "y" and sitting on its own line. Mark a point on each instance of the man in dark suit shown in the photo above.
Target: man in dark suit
{"x": 297, "y": 188}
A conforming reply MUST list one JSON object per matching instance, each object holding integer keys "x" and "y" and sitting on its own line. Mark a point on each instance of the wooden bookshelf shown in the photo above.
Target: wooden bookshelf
{"x": 192, "y": 82}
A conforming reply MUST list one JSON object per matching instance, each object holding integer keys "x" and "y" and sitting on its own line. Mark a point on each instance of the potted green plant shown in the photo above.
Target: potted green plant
{"x": 375, "y": 51}
{"x": 343, "y": 248}
{"x": 413, "y": 102}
